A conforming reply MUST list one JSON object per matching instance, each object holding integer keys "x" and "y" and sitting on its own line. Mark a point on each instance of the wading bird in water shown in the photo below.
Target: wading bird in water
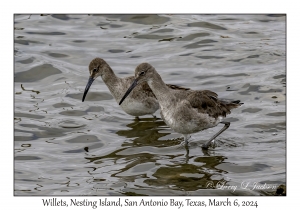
{"x": 185, "y": 111}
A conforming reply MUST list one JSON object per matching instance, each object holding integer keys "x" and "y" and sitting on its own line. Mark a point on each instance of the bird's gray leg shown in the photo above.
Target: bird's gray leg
{"x": 186, "y": 138}
{"x": 187, "y": 157}
{"x": 185, "y": 143}
{"x": 226, "y": 125}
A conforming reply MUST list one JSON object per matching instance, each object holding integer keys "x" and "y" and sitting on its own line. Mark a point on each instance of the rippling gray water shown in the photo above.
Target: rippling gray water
{"x": 67, "y": 147}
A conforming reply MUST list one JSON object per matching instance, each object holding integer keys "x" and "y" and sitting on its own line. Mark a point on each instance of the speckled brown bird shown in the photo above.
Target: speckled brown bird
{"x": 186, "y": 111}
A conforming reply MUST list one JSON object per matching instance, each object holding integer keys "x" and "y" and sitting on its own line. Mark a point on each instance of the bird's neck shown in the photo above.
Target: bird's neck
{"x": 162, "y": 92}
{"x": 109, "y": 78}
{"x": 114, "y": 84}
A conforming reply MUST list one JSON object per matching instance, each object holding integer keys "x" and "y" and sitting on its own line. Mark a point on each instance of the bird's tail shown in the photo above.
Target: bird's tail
{"x": 231, "y": 104}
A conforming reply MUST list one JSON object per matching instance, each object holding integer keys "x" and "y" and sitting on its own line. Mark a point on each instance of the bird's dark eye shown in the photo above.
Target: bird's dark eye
{"x": 95, "y": 70}
{"x": 142, "y": 73}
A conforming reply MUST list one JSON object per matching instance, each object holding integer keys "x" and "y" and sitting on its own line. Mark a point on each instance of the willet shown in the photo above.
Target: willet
{"x": 140, "y": 102}
{"x": 185, "y": 111}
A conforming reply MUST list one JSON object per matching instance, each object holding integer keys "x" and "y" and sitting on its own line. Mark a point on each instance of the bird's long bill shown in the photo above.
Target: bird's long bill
{"x": 128, "y": 91}
{"x": 88, "y": 85}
